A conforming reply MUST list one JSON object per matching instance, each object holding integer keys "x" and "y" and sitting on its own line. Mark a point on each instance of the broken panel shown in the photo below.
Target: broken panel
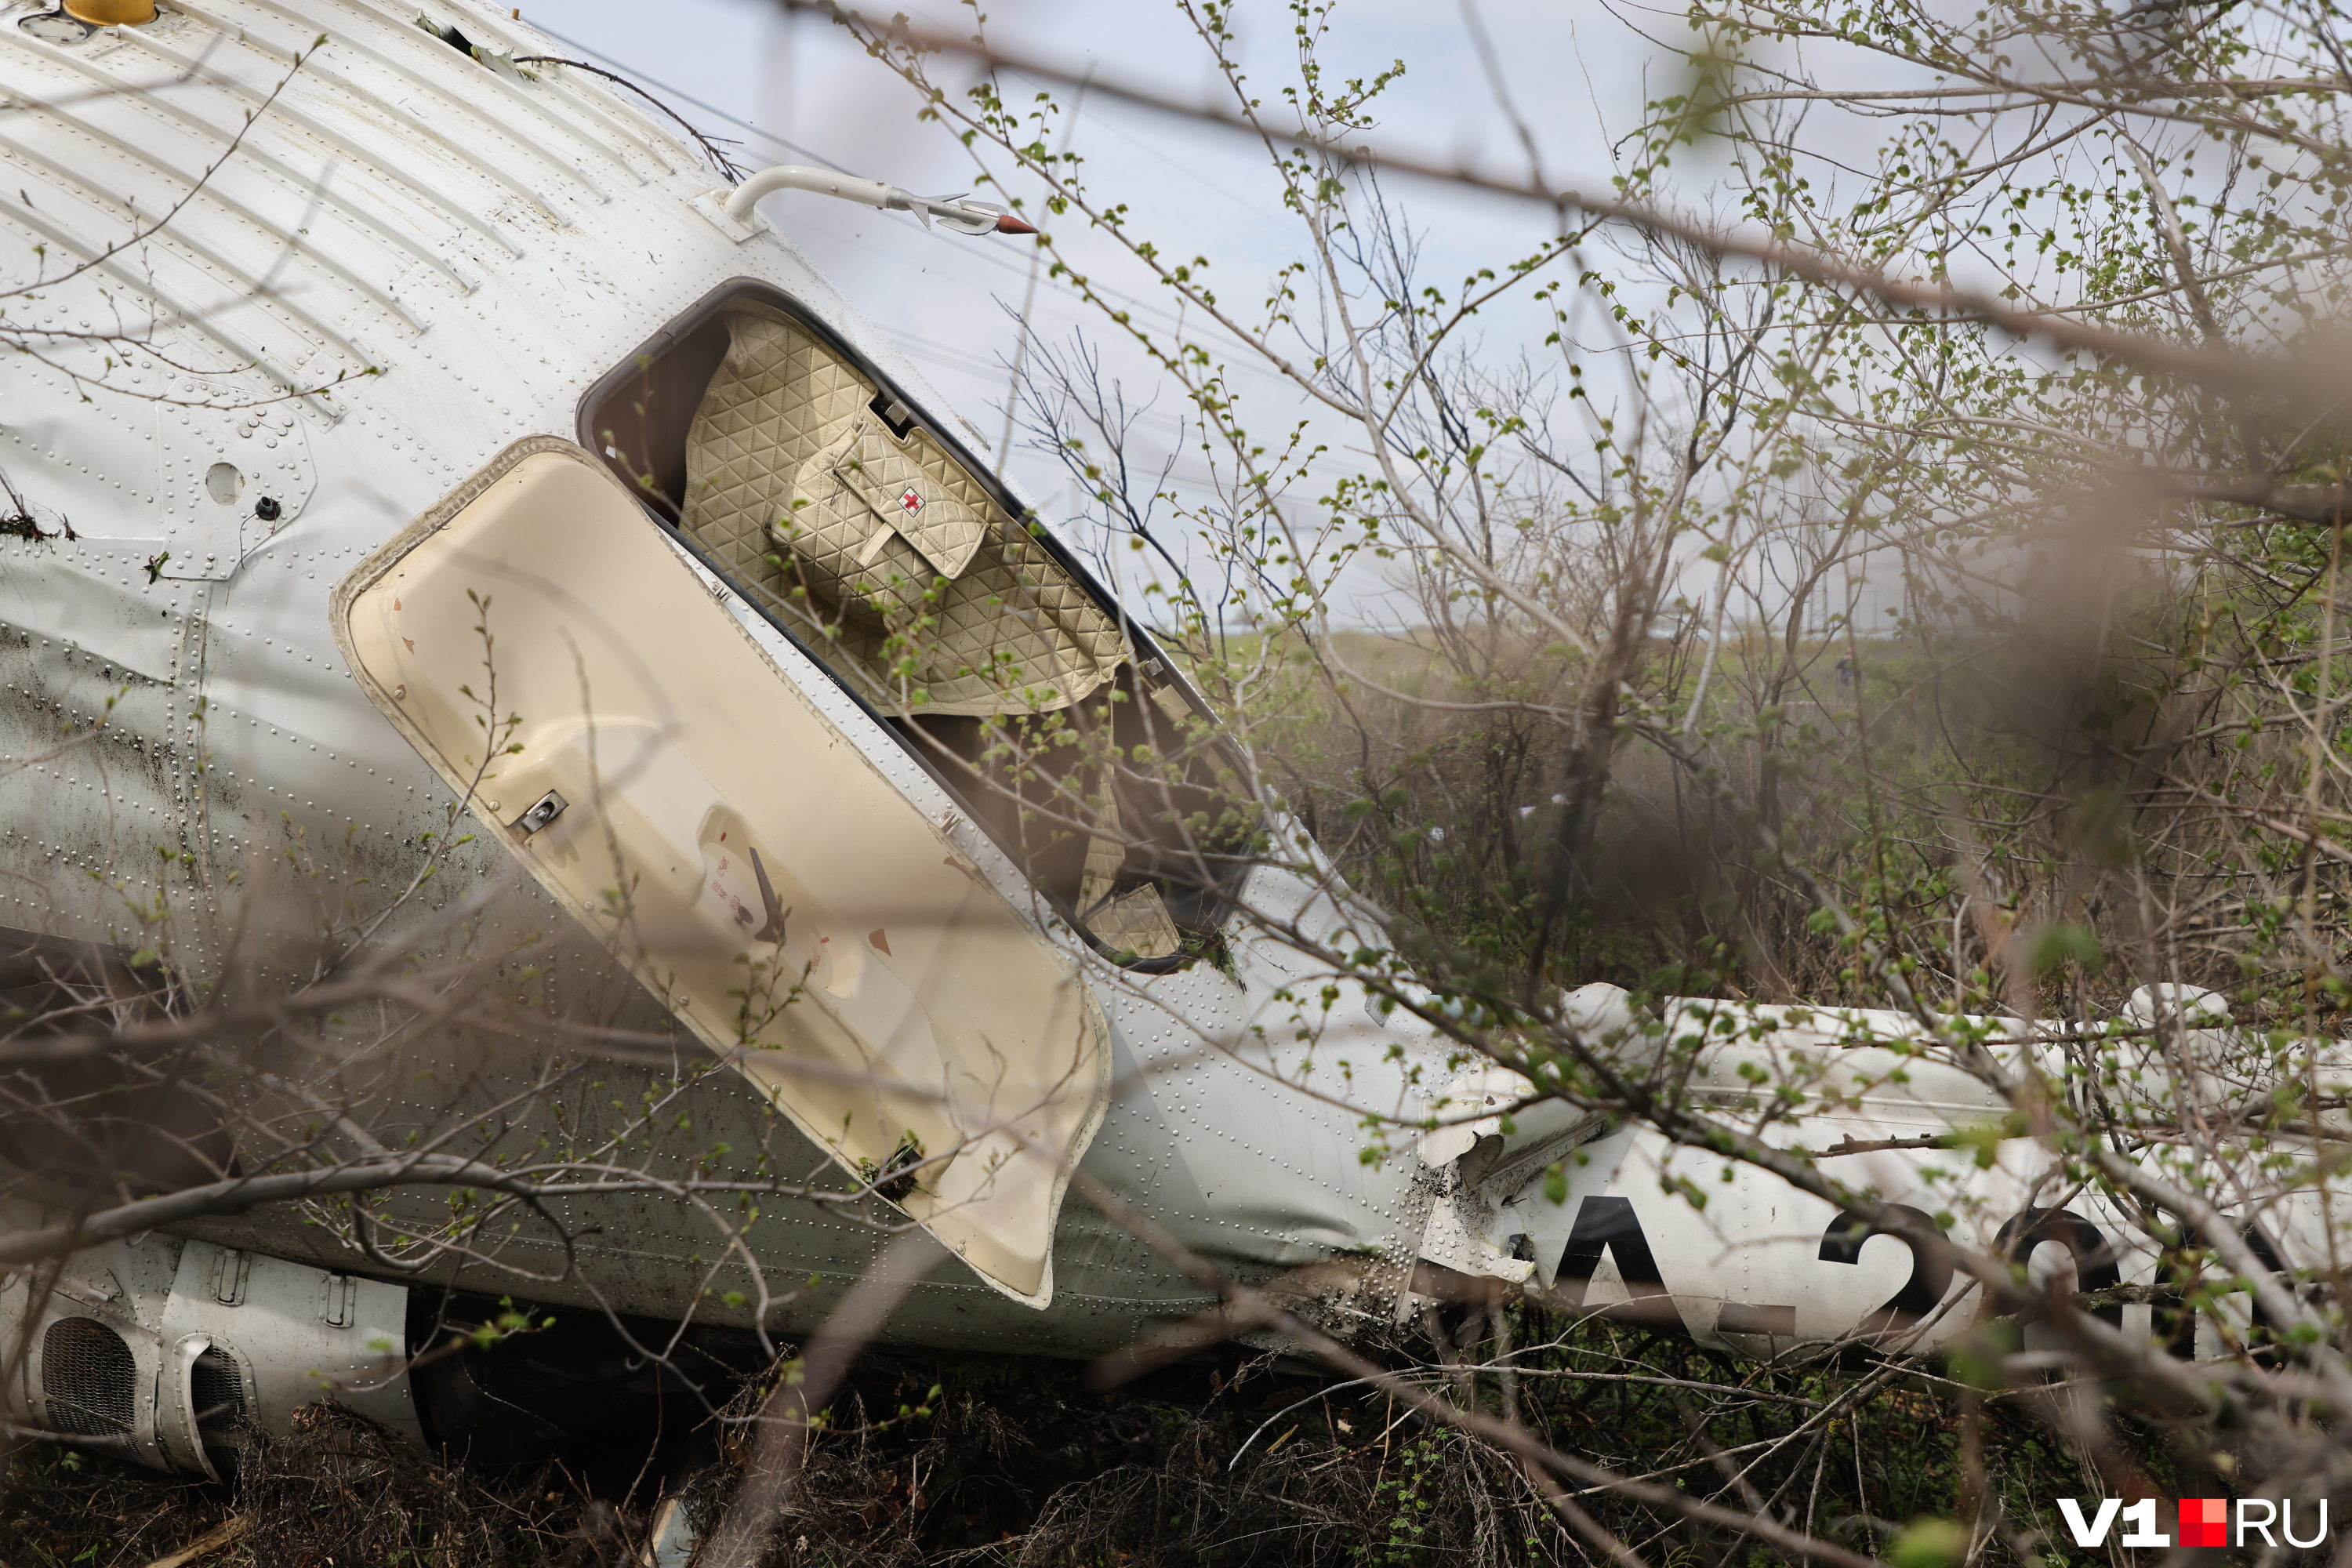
{"x": 562, "y": 664}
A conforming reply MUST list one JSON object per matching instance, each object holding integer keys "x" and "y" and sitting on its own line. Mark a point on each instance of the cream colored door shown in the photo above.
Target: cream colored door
{"x": 633, "y": 747}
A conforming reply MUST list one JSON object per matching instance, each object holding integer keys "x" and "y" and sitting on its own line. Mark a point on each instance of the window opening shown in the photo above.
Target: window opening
{"x": 820, "y": 493}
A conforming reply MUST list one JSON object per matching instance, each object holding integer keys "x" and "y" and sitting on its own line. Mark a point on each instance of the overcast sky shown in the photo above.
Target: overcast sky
{"x": 1577, "y": 73}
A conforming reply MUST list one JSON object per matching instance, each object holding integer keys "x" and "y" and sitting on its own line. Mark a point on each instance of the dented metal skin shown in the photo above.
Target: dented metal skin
{"x": 454, "y": 252}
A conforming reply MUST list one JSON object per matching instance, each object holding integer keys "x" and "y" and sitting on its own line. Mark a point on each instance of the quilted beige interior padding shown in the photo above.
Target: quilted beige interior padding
{"x": 944, "y": 607}
{"x": 871, "y": 532}
{"x": 1135, "y": 921}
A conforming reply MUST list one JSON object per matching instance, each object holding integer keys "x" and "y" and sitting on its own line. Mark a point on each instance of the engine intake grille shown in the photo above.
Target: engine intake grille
{"x": 89, "y": 1380}
{"x": 218, "y": 1394}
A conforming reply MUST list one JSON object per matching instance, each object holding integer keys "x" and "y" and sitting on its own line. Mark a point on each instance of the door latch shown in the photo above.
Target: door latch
{"x": 546, "y": 809}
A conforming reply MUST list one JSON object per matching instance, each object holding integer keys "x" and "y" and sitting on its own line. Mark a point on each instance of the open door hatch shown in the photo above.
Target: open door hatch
{"x": 556, "y": 658}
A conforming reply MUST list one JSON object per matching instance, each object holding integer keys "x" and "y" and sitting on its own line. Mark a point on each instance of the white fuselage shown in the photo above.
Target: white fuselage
{"x": 408, "y": 261}
{"x": 453, "y": 256}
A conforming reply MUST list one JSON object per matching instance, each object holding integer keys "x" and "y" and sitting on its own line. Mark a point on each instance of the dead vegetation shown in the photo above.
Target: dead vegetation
{"x": 1235, "y": 1460}
{"x": 336, "y": 1489}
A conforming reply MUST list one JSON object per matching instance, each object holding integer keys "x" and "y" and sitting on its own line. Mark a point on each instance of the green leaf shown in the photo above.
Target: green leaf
{"x": 2064, "y": 940}
{"x": 1930, "y": 1544}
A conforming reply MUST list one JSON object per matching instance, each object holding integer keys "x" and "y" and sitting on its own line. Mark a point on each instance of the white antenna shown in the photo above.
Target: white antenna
{"x": 960, "y": 214}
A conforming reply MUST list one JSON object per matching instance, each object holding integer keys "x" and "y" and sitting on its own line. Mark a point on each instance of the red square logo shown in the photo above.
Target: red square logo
{"x": 2204, "y": 1522}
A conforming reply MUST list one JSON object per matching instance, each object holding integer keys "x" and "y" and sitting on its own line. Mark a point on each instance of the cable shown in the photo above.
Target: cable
{"x": 770, "y": 137}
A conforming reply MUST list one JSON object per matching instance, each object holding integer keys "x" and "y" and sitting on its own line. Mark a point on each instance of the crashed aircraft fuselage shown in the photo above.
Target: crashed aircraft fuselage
{"x": 442, "y": 529}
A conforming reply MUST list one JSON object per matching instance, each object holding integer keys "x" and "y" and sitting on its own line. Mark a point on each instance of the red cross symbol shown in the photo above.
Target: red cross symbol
{"x": 910, "y": 501}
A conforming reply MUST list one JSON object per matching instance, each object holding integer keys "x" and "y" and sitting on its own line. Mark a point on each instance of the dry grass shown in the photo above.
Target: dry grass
{"x": 336, "y": 1491}
{"x": 1229, "y": 1462}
